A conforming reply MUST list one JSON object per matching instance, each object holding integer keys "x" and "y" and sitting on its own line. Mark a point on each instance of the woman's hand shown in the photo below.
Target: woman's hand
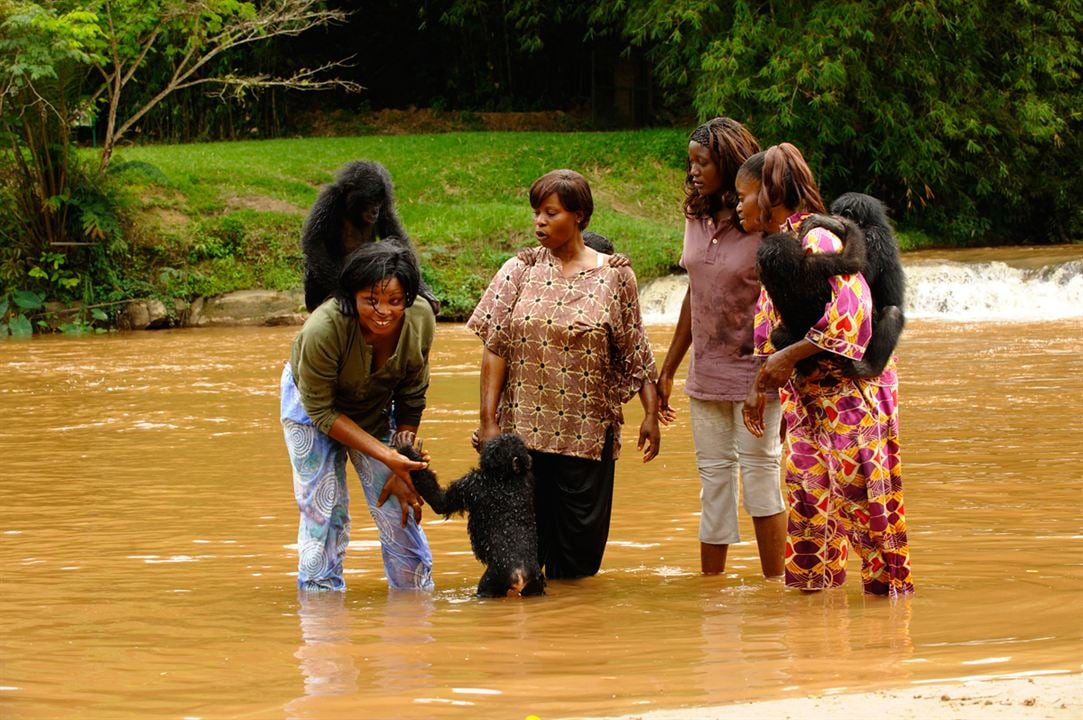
{"x": 486, "y": 431}
{"x": 401, "y": 486}
{"x": 776, "y": 371}
{"x": 664, "y": 387}
{"x": 650, "y": 437}
{"x": 779, "y": 367}
{"x": 752, "y": 412}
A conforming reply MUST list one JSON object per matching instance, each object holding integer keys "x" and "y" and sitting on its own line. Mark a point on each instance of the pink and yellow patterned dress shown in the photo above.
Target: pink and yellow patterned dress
{"x": 843, "y": 470}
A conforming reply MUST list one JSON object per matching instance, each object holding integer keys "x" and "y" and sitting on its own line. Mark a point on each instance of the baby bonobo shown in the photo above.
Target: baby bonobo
{"x": 884, "y": 273}
{"x": 798, "y": 282}
{"x": 499, "y": 499}
{"x": 861, "y": 222}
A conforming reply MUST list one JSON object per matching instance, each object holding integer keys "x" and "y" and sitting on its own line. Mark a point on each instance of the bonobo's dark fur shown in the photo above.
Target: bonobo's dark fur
{"x": 797, "y": 282}
{"x": 358, "y": 207}
{"x": 599, "y": 243}
{"x": 499, "y": 497}
{"x": 882, "y": 270}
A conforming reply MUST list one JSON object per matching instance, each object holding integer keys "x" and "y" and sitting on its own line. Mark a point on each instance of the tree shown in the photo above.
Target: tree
{"x": 964, "y": 115}
{"x": 63, "y": 62}
{"x": 186, "y": 37}
{"x": 41, "y": 56}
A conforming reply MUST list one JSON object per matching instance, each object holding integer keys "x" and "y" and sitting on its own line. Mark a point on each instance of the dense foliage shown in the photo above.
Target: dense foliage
{"x": 66, "y": 64}
{"x": 964, "y": 115}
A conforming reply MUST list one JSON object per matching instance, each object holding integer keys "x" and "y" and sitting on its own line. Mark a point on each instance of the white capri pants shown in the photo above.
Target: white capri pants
{"x": 726, "y": 451}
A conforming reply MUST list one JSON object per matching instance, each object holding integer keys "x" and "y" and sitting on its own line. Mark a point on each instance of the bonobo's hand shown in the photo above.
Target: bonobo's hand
{"x": 403, "y": 438}
{"x": 619, "y": 260}
{"x": 414, "y": 449}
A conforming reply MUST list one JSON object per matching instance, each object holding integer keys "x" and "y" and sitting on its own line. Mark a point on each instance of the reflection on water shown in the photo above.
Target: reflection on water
{"x": 147, "y": 571}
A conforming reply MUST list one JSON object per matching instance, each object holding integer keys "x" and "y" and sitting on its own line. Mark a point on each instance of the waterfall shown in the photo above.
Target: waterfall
{"x": 942, "y": 290}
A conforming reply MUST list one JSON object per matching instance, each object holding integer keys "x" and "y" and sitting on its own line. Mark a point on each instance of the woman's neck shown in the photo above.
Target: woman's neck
{"x": 779, "y": 215}
{"x": 383, "y": 346}
{"x": 574, "y": 255}
{"x": 723, "y": 214}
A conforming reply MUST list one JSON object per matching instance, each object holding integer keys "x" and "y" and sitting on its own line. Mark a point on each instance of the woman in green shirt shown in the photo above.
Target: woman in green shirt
{"x": 355, "y": 384}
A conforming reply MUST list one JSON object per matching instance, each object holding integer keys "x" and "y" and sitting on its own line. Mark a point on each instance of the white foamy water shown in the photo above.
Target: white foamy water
{"x": 994, "y": 291}
{"x": 942, "y": 290}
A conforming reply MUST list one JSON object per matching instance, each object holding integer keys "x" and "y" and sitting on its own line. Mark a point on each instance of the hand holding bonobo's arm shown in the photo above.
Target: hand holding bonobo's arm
{"x": 350, "y": 434}
{"x": 650, "y": 437}
{"x": 494, "y": 370}
{"x": 403, "y": 486}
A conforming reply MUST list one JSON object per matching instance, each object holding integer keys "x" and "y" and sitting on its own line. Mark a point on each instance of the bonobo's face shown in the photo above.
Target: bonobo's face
{"x": 380, "y": 309}
{"x": 364, "y": 205}
{"x": 748, "y": 204}
{"x": 371, "y": 213}
{"x": 703, "y": 170}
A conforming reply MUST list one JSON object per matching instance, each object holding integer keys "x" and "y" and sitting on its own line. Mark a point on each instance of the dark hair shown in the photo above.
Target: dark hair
{"x": 730, "y": 144}
{"x": 785, "y": 180}
{"x": 597, "y": 242}
{"x": 372, "y": 262}
{"x": 572, "y": 189}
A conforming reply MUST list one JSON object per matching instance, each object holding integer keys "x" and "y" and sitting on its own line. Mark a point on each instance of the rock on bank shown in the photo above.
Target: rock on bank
{"x": 244, "y": 307}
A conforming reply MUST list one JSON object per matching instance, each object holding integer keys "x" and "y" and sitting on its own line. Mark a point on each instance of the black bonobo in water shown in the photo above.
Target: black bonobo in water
{"x": 498, "y": 497}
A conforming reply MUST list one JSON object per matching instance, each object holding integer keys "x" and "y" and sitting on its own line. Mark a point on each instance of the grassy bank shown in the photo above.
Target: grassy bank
{"x": 224, "y": 216}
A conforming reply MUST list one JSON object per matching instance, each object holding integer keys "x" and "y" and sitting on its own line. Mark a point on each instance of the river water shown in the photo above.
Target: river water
{"x": 147, "y": 522}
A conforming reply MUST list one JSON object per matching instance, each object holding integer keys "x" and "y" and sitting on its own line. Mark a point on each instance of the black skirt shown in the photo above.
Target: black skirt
{"x": 573, "y": 500}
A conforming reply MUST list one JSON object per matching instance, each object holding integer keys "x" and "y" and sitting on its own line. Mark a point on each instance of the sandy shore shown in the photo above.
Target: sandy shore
{"x": 1053, "y": 697}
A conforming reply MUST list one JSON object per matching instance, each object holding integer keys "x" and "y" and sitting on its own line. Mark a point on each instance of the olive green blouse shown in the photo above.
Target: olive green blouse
{"x": 332, "y": 368}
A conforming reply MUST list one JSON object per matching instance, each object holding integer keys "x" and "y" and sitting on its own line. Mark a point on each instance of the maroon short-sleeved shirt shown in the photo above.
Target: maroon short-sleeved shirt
{"x": 721, "y": 262}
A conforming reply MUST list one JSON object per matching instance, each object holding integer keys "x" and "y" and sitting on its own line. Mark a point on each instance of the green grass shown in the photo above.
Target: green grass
{"x": 462, "y": 198}
{"x": 227, "y": 216}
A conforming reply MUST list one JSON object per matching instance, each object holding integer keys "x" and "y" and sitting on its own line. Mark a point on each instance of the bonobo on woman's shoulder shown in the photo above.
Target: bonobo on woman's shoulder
{"x": 358, "y": 207}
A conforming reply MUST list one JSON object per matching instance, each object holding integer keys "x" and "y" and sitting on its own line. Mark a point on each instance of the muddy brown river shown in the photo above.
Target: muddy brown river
{"x": 148, "y": 516}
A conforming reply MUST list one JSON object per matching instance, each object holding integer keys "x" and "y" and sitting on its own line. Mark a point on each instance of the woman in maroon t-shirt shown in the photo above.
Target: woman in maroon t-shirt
{"x": 716, "y": 322}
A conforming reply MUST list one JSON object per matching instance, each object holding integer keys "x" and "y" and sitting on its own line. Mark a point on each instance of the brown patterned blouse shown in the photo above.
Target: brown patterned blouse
{"x": 575, "y": 351}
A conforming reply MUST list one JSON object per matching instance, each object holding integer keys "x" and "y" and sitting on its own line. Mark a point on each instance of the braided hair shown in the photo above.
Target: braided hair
{"x": 730, "y": 144}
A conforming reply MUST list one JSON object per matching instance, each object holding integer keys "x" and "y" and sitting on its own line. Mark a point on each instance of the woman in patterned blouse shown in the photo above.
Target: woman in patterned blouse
{"x": 564, "y": 350}
{"x": 843, "y": 470}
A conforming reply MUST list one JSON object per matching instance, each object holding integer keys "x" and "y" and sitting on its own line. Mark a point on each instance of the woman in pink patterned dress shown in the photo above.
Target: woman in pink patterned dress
{"x": 843, "y": 471}
{"x": 564, "y": 350}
